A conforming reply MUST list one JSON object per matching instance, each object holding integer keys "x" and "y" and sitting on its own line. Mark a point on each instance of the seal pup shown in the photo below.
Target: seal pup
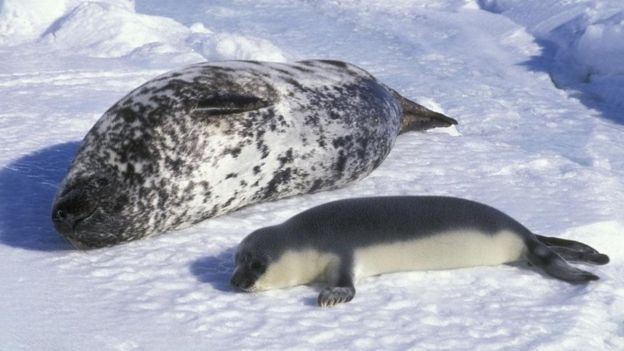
{"x": 342, "y": 241}
{"x": 213, "y": 137}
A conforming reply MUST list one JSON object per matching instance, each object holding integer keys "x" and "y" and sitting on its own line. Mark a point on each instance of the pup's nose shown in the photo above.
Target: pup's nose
{"x": 235, "y": 282}
{"x": 240, "y": 282}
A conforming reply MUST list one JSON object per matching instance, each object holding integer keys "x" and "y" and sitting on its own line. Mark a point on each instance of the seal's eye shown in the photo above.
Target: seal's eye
{"x": 101, "y": 182}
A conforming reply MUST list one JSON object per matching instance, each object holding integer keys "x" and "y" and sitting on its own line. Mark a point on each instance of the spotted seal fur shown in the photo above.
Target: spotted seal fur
{"x": 342, "y": 241}
{"x": 213, "y": 137}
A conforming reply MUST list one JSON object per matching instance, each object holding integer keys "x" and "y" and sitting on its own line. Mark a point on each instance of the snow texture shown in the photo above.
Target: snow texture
{"x": 584, "y": 45}
{"x": 536, "y": 86}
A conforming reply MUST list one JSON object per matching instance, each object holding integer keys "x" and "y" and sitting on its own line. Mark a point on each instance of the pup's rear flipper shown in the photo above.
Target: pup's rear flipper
{"x": 543, "y": 257}
{"x": 417, "y": 117}
{"x": 573, "y": 255}
{"x": 572, "y": 244}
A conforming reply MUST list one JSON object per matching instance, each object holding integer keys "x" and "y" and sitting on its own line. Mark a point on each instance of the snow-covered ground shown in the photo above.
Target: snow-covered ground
{"x": 538, "y": 88}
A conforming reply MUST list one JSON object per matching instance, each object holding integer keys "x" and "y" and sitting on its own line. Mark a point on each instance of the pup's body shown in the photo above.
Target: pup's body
{"x": 343, "y": 241}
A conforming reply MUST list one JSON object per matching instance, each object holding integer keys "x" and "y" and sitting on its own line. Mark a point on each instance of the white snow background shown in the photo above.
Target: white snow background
{"x": 538, "y": 89}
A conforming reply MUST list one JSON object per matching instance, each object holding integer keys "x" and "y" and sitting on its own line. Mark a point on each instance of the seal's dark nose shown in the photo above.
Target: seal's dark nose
{"x": 70, "y": 209}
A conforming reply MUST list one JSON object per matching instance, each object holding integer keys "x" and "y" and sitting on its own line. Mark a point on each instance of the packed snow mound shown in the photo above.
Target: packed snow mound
{"x": 113, "y": 29}
{"x": 22, "y": 21}
{"x": 106, "y": 30}
{"x": 588, "y": 39}
{"x": 601, "y": 46}
{"x": 227, "y": 45}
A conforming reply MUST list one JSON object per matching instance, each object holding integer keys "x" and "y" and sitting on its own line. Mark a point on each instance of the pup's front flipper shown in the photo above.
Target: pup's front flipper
{"x": 334, "y": 295}
{"x": 341, "y": 289}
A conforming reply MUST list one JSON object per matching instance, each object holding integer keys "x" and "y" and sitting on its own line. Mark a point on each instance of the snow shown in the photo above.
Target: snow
{"x": 536, "y": 86}
{"x": 585, "y": 39}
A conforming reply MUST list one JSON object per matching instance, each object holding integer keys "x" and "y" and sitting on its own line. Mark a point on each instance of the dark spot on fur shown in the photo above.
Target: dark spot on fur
{"x": 316, "y": 185}
{"x": 233, "y": 151}
{"x": 295, "y": 83}
{"x": 334, "y": 115}
{"x": 122, "y": 201}
{"x": 283, "y": 71}
{"x": 131, "y": 175}
{"x": 163, "y": 196}
{"x": 228, "y": 202}
{"x": 127, "y": 114}
{"x": 341, "y": 162}
{"x": 261, "y": 146}
{"x": 304, "y": 70}
{"x": 335, "y": 63}
{"x": 279, "y": 178}
{"x": 286, "y": 157}
{"x": 174, "y": 164}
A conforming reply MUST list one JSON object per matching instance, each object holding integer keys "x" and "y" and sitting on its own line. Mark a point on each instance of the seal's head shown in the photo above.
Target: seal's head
{"x": 91, "y": 211}
{"x": 163, "y": 157}
{"x": 110, "y": 193}
{"x": 126, "y": 181}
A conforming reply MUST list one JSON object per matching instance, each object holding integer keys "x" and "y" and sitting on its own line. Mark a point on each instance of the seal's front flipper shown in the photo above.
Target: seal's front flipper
{"x": 417, "y": 117}
{"x": 543, "y": 257}
{"x": 224, "y": 104}
{"x": 572, "y": 244}
{"x": 332, "y": 296}
{"x": 573, "y": 255}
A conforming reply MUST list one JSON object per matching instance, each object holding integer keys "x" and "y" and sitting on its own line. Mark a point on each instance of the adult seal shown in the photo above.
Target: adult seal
{"x": 213, "y": 137}
{"x": 343, "y": 241}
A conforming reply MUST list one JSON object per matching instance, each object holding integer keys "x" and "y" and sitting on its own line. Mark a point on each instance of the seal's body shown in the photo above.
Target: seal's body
{"x": 343, "y": 241}
{"x": 214, "y": 137}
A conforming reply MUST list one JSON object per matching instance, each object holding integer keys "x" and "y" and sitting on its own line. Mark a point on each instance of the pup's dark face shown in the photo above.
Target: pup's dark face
{"x": 249, "y": 268}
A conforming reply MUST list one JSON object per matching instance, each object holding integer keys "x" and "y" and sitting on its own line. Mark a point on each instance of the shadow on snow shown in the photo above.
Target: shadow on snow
{"x": 27, "y": 189}
{"x": 564, "y": 78}
{"x": 215, "y": 270}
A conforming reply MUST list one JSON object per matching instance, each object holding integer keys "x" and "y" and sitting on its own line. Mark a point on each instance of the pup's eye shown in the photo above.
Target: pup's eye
{"x": 255, "y": 265}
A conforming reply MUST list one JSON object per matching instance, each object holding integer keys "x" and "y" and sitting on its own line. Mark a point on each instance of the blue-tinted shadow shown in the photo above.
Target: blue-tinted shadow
{"x": 27, "y": 188}
{"x": 583, "y": 91}
{"x": 215, "y": 270}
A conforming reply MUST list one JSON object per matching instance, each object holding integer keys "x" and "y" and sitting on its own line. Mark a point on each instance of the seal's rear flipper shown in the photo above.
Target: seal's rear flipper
{"x": 543, "y": 257}
{"x": 572, "y": 244}
{"x": 417, "y": 117}
{"x": 573, "y": 255}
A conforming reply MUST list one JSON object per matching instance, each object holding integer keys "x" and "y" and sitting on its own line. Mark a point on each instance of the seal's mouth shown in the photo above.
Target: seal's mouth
{"x": 83, "y": 219}
{"x": 77, "y": 244}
